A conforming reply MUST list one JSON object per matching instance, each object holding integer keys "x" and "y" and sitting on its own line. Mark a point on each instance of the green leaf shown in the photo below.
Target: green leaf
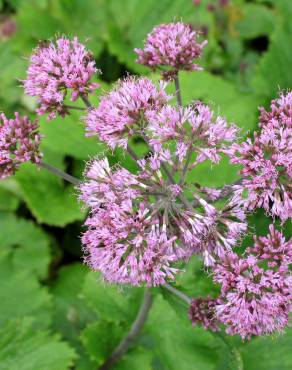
{"x": 136, "y": 358}
{"x": 214, "y": 175}
{"x": 11, "y": 68}
{"x": 226, "y": 99}
{"x": 268, "y": 353}
{"x": 70, "y": 314}
{"x": 273, "y": 72}
{"x": 228, "y": 351}
{"x": 21, "y": 294}
{"x": 29, "y": 244}
{"x": 109, "y": 301}
{"x": 194, "y": 271}
{"x": 257, "y": 20}
{"x": 97, "y": 341}
{"x": 23, "y": 347}
{"x": 130, "y": 21}
{"x": 67, "y": 137}
{"x": 71, "y": 15}
{"x": 8, "y": 200}
{"x": 100, "y": 346}
{"x": 177, "y": 344}
{"x": 46, "y": 196}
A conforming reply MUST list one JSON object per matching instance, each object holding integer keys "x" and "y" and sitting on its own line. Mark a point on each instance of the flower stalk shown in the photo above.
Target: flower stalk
{"x": 177, "y": 90}
{"x": 63, "y": 175}
{"x": 133, "y": 333}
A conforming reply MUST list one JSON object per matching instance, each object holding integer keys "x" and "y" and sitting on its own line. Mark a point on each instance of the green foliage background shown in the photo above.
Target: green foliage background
{"x": 55, "y": 314}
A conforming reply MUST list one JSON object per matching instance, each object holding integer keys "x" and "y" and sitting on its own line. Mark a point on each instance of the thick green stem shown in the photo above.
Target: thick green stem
{"x": 135, "y": 330}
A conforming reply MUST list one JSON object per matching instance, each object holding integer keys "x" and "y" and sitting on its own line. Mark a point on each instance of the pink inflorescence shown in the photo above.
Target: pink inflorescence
{"x": 267, "y": 161}
{"x": 126, "y": 239}
{"x": 256, "y": 290}
{"x": 19, "y": 142}
{"x": 174, "y": 45}
{"x": 55, "y": 69}
{"x": 139, "y": 229}
{"x": 178, "y": 140}
{"x": 121, "y": 113}
{"x": 203, "y": 311}
{"x": 194, "y": 129}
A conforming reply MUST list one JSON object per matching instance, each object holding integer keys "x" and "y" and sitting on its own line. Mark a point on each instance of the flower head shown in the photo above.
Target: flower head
{"x": 267, "y": 161}
{"x": 256, "y": 289}
{"x": 19, "y": 142}
{"x": 57, "y": 68}
{"x": 280, "y": 114}
{"x": 121, "y": 113}
{"x": 174, "y": 45}
{"x": 203, "y": 311}
{"x": 126, "y": 239}
{"x": 193, "y": 129}
{"x": 139, "y": 227}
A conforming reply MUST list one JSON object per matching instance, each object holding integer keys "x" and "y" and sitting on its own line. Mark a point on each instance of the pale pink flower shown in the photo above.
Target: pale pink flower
{"x": 256, "y": 290}
{"x": 56, "y": 70}
{"x": 127, "y": 239}
{"x": 193, "y": 129}
{"x": 174, "y": 45}
{"x": 136, "y": 216}
{"x": 202, "y": 311}
{"x": 222, "y": 232}
{"x": 280, "y": 114}
{"x": 19, "y": 143}
{"x": 267, "y": 162}
{"x": 121, "y": 113}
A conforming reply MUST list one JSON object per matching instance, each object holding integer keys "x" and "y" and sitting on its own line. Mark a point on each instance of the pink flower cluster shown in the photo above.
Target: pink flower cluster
{"x": 267, "y": 161}
{"x": 55, "y": 69}
{"x": 256, "y": 295}
{"x": 193, "y": 131}
{"x": 139, "y": 228}
{"x": 177, "y": 137}
{"x": 203, "y": 311}
{"x": 174, "y": 45}
{"x": 126, "y": 239}
{"x": 121, "y": 113}
{"x": 256, "y": 290}
{"x": 137, "y": 106}
{"x": 19, "y": 142}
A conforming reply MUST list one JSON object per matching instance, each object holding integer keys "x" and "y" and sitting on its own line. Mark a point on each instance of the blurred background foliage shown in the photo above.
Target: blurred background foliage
{"x": 55, "y": 314}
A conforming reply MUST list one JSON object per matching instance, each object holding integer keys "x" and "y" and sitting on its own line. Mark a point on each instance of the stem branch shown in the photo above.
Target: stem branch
{"x": 179, "y": 101}
{"x": 178, "y": 293}
{"x": 86, "y": 101}
{"x": 177, "y": 90}
{"x": 132, "y": 154}
{"x": 73, "y": 107}
{"x": 59, "y": 173}
{"x": 186, "y": 166}
{"x": 136, "y": 327}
